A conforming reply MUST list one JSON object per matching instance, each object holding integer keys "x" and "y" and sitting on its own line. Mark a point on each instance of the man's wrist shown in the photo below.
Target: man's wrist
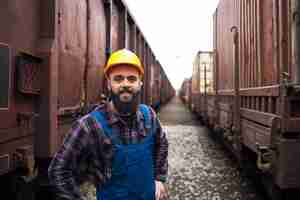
{"x": 162, "y": 179}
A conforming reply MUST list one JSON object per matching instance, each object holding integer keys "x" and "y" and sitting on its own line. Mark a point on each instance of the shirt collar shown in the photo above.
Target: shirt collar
{"x": 112, "y": 116}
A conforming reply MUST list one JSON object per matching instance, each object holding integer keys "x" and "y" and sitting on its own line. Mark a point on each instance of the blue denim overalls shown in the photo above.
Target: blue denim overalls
{"x": 132, "y": 167}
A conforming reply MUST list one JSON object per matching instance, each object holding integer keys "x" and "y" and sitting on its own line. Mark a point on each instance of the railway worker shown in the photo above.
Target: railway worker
{"x": 121, "y": 143}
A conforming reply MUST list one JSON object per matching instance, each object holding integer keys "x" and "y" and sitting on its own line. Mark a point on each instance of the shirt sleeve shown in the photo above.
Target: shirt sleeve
{"x": 65, "y": 162}
{"x": 161, "y": 151}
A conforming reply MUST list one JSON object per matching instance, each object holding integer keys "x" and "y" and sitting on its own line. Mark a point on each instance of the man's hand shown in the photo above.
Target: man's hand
{"x": 160, "y": 191}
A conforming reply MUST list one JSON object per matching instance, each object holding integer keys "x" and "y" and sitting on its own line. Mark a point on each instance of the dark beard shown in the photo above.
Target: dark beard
{"x": 125, "y": 108}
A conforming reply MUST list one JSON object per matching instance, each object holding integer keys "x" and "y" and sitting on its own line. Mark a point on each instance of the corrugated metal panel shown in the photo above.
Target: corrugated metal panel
{"x": 261, "y": 51}
{"x": 225, "y": 21}
{"x": 72, "y": 51}
{"x": 132, "y": 34}
{"x": 96, "y": 51}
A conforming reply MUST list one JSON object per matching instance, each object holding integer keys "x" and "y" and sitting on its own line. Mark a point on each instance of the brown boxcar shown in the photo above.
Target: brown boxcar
{"x": 161, "y": 88}
{"x": 256, "y": 88}
{"x": 185, "y": 91}
{"x": 51, "y": 59}
{"x": 202, "y": 88}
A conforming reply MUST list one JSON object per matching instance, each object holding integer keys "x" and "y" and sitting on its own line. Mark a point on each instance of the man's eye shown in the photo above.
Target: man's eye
{"x": 132, "y": 79}
{"x": 118, "y": 78}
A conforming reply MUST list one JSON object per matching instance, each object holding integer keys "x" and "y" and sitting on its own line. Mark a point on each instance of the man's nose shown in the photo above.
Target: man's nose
{"x": 125, "y": 82}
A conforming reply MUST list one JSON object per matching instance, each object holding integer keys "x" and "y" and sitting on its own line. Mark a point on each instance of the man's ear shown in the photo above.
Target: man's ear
{"x": 140, "y": 84}
{"x": 108, "y": 82}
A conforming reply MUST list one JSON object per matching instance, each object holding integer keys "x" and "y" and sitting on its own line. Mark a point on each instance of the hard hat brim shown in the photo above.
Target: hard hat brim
{"x": 108, "y": 68}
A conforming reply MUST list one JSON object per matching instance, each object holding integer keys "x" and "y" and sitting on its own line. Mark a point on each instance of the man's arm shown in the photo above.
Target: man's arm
{"x": 161, "y": 151}
{"x": 66, "y": 162}
{"x": 161, "y": 160}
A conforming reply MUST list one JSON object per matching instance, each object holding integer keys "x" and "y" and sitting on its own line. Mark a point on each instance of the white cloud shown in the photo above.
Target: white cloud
{"x": 175, "y": 30}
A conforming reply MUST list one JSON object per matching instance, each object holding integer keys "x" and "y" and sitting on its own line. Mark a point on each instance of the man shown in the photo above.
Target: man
{"x": 121, "y": 142}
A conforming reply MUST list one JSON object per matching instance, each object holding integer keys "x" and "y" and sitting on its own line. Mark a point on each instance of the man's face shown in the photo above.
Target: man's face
{"x": 124, "y": 81}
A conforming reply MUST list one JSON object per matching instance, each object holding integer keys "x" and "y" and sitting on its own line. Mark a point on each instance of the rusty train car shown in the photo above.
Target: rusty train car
{"x": 201, "y": 87}
{"x": 185, "y": 91}
{"x": 250, "y": 94}
{"x": 52, "y": 54}
{"x": 161, "y": 88}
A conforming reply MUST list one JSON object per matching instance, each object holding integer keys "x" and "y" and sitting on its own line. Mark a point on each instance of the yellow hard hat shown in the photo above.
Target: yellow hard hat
{"x": 124, "y": 56}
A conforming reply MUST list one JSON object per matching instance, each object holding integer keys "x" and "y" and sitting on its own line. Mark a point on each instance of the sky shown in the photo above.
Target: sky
{"x": 176, "y": 30}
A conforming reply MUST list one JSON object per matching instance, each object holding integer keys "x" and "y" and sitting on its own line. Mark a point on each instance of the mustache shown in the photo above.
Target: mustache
{"x": 126, "y": 89}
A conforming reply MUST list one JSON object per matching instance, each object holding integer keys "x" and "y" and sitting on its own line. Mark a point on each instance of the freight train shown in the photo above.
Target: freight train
{"x": 248, "y": 89}
{"x": 184, "y": 92}
{"x": 52, "y": 54}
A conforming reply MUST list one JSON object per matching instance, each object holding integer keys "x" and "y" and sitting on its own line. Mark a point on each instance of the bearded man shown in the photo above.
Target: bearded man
{"x": 121, "y": 141}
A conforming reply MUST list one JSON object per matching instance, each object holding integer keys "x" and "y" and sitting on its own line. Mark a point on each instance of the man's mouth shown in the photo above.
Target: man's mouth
{"x": 126, "y": 96}
{"x": 125, "y": 92}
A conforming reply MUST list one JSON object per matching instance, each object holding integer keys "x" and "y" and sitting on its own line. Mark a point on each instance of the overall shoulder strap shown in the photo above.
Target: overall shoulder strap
{"x": 100, "y": 118}
{"x": 147, "y": 115}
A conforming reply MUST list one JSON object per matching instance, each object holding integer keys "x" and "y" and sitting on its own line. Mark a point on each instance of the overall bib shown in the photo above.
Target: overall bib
{"x": 132, "y": 168}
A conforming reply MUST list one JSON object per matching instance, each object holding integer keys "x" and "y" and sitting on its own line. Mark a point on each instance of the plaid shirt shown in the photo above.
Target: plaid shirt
{"x": 87, "y": 153}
